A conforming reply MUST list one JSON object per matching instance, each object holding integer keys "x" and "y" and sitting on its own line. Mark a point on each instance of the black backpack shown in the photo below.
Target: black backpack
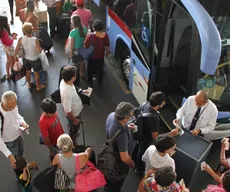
{"x": 109, "y": 162}
{"x": 138, "y": 120}
{"x": 2, "y": 122}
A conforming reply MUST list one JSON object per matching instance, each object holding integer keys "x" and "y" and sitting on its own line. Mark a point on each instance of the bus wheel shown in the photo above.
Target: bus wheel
{"x": 125, "y": 66}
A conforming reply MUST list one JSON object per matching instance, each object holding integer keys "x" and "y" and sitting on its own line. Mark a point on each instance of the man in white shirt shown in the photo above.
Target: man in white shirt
{"x": 11, "y": 142}
{"x": 158, "y": 156}
{"x": 198, "y": 114}
{"x": 70, "y": 100}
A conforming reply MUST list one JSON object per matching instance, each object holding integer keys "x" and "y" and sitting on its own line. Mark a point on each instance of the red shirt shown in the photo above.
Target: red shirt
{"x": 6, "y": 38}
{"x": 85, "y": 16}
{"x": 98, "y": 43}
{"x": 50, "y": 127}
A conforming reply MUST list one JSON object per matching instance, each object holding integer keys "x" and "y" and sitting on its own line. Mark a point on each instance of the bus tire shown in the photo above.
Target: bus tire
{"x": 125, "y": 66}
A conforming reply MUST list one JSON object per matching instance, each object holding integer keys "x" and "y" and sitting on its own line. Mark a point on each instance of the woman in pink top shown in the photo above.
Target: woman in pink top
{"x": 7, "y": 42}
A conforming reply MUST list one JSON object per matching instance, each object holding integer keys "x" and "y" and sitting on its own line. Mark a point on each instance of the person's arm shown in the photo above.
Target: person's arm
{"x": 211, "y": 123}
{"x": 91, "y": 22}
{"x": 55, "y": 160}
{"x": 71, "y": 47}
{"x": 21, "y": 119}
{"x": 84, "y": 157}
{"x": 223, "y": 160}
{"x": 107, "y": 44}
{"x": 125, "y": 158}
{"x": 38, "y": 47}
{"x": 208, "y": 169}
{"x": 144, "y": 182}
{"x": 87, "y": 41}
{"x": 17, "y": 47}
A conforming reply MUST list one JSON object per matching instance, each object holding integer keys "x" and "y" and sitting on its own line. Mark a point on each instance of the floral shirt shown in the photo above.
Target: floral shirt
{"x": 150, "y": 185}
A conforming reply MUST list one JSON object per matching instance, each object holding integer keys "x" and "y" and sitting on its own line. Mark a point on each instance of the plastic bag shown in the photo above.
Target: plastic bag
{"x": 44, "y": 60}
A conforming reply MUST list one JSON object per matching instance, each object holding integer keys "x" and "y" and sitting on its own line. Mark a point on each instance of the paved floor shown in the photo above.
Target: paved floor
{"x": 104, "y": 100}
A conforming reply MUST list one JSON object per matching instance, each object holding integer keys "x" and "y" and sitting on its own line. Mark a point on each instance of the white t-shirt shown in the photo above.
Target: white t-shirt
{"x": 153, "y": 160}
{"x": 70, "y": 99}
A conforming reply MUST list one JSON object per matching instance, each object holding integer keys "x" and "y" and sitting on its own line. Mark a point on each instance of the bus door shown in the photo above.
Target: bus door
{"x": 140, "y": 63}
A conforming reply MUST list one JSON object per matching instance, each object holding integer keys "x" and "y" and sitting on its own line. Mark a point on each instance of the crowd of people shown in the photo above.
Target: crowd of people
{"x": 154, "y": 155}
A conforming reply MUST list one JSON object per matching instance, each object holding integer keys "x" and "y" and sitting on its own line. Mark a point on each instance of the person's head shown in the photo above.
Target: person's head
{"x": 98, "y": 25}
{"x": 27, "y": 28}
{"x": 80, "y": 3}
{"x": 201, "y": 98}
{"x": 69, "y": 73}
{"x": 65, "y": 143}
{"x": 225, "y": 180}
{"x": 20, "y": 162}
{"x": 123, "y": 112}
{"x": 4, "y": 25}
{"x": 165, "y": 176}
{"x": 49, "y": 106}
{"x": 157, "y": 100}
{"x": 9, "y": 100}
{"x": 165, "y": 143}
{"x": 76, "y": 22}
{"x": 30, "y": 6}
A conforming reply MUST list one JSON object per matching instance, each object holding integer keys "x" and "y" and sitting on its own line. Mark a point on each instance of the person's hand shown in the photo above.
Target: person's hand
{"x": 12, "y": 161}
{"x": 207, "y": 167}
{"x": 150, "y": 172}
{"x": 76, "y": 121}
{"x": 174, "y": 132}
{"x": 195, "y": 132}
{"x": 25, "y": 125}
{"x": 132, "y": 165}
{"x": 14, "y": 35}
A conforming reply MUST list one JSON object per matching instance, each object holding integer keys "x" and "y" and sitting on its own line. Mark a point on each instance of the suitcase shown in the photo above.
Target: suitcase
{"x": 64, "y": 26}
{"x": 46, "y": 41}
{"x": 82, "y": 148}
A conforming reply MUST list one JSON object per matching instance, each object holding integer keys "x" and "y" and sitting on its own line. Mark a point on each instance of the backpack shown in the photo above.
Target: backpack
{"x": 138, "y": 120}
{"x": 2, "y": 122}
{"x": 109, "y": 163}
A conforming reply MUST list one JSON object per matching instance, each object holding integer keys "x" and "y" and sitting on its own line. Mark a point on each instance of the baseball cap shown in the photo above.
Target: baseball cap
{"x": 79, "y": 2}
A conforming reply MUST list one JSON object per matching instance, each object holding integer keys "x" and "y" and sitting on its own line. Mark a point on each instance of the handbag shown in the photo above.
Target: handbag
{"x": 89, "y": 179}
{"x": 67, "y": 46}
{"x": 18, "y": 71}
{"x": 61, "y": 180}
{"x": 86, "y": 53}
{"x": 44, "y": 60}
{"x": 44, "y": 181}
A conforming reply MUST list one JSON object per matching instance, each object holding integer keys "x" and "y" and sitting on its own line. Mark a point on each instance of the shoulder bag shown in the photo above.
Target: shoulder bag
{"x": 86, "y": 53}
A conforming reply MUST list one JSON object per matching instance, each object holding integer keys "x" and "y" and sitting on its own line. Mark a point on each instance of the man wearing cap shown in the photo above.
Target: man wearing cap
{"x": 84, "y": 14}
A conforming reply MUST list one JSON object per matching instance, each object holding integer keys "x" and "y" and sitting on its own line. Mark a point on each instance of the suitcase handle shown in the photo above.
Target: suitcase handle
{"x": 83, "y": 131}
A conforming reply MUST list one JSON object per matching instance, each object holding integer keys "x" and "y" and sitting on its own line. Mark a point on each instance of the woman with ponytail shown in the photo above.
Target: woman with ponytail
{"x": 67, "y": 159}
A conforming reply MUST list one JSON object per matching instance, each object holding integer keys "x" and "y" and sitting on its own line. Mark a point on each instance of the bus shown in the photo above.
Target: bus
{"x": 174, "y": 46}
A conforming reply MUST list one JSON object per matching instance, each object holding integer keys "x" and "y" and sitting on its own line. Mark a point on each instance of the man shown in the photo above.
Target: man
{"x": 151, "y": 126}
{"x": 51, "y": 5}
{"x": 124, "y": 143}
{"x": 84, "y": 14}
{"x": 70, "y": 100}
{"x": 50, "y": 126}
{"x": 11, "y": 141}
{"x": 198, "y": 114}
{"x": 157, "y": 156}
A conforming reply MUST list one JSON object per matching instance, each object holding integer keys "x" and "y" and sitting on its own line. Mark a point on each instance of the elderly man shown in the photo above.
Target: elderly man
{"x": 198, "y": 114}
{"x": 11, "y": 142}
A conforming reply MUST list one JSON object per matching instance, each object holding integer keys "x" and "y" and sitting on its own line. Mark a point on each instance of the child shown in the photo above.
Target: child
{"x": 7, "y": 42}
{"x": 22, "y": 172}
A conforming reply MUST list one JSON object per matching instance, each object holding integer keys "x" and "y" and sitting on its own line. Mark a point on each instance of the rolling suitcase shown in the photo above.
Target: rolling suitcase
{"x": 64, "y": 26}
{"x": 82, "y": 148}
{"x": 46, "y": 41}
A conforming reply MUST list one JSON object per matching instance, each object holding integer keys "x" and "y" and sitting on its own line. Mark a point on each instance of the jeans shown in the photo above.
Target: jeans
{"x": 140, "y": 166}
{"x": 16, "y": 146}
{"x": 52, "y": 19}
{"x": 114, "y": 186}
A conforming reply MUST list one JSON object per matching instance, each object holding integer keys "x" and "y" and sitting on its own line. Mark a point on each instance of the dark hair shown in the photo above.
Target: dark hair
{"x": 165, "y": 176}
{"x": 48, "y": 106}
{"x": 123, "y": 111}
{"x": 164, "y": 142}
{"x": 226, "y": 181}
{"x": 156, "y": 98}
{"x": 4, "y": 25}
{"x": 20, "y": 162}
{"x": 29, "y": 6}
{"x": 77, "y": 24}
{"x": 98, "y": 25}
{"x": 69, "y": 72}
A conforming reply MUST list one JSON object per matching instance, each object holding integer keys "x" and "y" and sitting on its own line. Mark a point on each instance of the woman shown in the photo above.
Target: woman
{"x": 77, "y": 36}
{"x": 7, "y": 42}
{"x": 100, "y": 41}
{"x": 67, "y": 159}
{"x": 27, "y": 15}
{"x": 32, "y": 49}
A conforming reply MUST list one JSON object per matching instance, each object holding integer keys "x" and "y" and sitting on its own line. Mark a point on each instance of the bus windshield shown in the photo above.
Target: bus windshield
{"x": 218, "y": 85}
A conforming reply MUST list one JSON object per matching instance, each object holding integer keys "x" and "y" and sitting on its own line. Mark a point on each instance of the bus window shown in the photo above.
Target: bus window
{"x": 218, "y": 84}
{"x": 142, "y": 26}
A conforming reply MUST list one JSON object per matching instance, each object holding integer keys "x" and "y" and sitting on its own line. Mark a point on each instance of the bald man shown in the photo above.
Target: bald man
{"x": 198, "y": 114}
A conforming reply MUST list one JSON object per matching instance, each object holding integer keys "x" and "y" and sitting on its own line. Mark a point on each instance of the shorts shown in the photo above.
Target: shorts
{"x": 9, "y": 50}
{"x": 77, "y": 58}
{"x": 35, "y": 65}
